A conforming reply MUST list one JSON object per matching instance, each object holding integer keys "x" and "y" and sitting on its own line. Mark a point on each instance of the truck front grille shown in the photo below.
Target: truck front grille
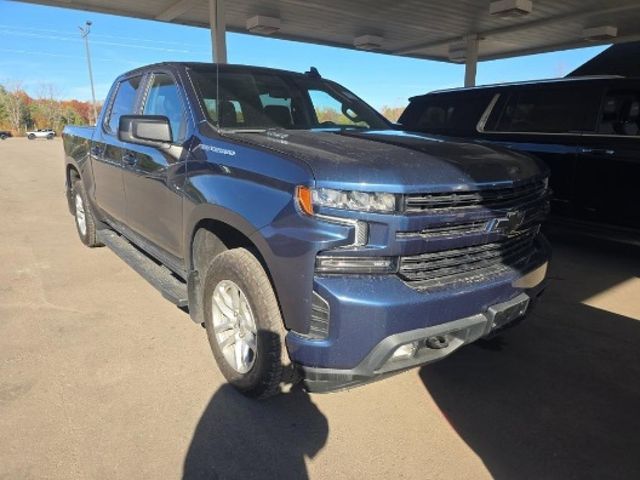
{"x": 467, "y": 264}
{"x": 447, "y": 231}
{"x": 490, "y": 199}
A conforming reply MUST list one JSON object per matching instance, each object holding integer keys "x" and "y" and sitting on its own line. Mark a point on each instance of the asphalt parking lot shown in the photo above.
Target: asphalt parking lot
{"x": 100, "y": 377}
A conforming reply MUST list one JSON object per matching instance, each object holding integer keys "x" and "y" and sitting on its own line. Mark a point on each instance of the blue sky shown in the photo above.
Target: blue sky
{"x": 41, "y": 44}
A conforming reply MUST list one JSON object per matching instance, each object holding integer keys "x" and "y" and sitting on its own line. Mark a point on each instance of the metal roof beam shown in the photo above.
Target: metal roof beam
{"x": 174, "y": 11}
{"x": 403, "y": 50}
{"x": 561, "y": 46}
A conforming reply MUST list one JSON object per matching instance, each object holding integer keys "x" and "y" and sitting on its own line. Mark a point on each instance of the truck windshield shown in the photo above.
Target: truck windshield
{"x": 246, "y": 100}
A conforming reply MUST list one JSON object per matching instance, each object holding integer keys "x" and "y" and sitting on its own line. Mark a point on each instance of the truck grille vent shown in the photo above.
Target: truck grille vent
{"x": 467, "y": 264}
{"x": 447, "y": 231}
{"x": 490, "y": 199}
{"x": 533, "y": 216}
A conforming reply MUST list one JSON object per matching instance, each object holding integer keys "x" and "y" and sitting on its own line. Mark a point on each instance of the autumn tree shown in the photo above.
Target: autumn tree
{"x": 391, "y": 113}
{"x": 14, "y": 102}
{"x": 47, "y": 106}
{"x": 18, "y": 111}
{"x": 4, "y": 118}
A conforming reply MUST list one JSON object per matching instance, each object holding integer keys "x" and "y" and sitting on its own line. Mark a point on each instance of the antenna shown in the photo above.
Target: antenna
{"x": 313, "y": 73}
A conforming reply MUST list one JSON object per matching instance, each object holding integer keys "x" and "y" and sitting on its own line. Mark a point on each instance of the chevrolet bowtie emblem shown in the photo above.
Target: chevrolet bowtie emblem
{"x": 507, "y": 225}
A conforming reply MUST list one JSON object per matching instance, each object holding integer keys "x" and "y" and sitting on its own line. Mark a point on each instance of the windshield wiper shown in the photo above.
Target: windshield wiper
{"x": 242, "y": 130}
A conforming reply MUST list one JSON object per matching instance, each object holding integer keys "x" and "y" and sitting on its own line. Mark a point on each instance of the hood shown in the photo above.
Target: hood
{"x": 399, "y": 162}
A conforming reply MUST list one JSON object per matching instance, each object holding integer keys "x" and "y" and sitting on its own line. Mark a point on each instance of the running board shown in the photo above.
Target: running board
{"x": 163, "y": 279}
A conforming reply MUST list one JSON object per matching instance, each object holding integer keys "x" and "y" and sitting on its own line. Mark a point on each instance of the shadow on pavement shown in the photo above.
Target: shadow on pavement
{"x": 558, "y": 396}
{"x": 241, "y": 438}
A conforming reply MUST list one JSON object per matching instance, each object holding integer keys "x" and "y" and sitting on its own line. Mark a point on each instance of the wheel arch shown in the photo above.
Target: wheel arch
{"x": 227, "y": 236}
{"x": 219, "y": 231}
{"x": 71, "y": 175}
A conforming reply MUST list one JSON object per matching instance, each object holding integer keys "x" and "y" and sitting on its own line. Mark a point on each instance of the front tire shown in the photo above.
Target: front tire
{"x": 84, "y": 217}
{"x": 31, "y": 137}
{"x": 244, "y": 325}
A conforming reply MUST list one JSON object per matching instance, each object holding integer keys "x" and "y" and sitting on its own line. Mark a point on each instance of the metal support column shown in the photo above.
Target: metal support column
{"x": 471, "y": 62}
{"x": 218, "y": 31}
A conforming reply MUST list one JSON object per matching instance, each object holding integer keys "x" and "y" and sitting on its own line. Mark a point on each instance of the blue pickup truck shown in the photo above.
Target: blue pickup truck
{"x": 311, "y": 238}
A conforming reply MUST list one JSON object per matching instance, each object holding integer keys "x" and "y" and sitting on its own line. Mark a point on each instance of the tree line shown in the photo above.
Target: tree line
{"x": 20, "y": 112}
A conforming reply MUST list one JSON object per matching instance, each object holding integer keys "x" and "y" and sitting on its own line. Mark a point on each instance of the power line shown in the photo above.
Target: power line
{"x": 103, "y": 35}
{"x": 57, "y": 55}
{"x": 99, "y": 42}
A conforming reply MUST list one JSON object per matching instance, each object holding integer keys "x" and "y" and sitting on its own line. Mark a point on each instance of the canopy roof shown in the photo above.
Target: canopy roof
{"x": 414, "y": 28}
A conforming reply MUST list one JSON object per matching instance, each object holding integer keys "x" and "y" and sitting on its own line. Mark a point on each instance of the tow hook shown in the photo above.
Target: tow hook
{"x": 437, "y": 342}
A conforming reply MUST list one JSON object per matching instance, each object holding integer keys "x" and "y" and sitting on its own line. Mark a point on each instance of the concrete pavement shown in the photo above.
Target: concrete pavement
{"x": 100, "y": 377}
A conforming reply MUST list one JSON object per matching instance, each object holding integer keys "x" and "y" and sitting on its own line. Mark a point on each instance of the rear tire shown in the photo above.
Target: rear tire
{"x": 84, "y": 218}
{"x": 244, "y": 325}
{"x": 49, "y": 137}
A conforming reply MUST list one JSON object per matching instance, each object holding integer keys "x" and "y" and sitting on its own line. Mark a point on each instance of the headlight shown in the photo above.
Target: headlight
{"x": 346, "y": 200}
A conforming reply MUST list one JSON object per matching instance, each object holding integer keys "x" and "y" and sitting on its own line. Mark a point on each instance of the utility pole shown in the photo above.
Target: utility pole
{"x": 84, "y": 32}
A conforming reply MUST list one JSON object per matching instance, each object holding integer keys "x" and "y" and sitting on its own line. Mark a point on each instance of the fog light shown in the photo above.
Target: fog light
{"x": 355, "y": 265}
{"x": 405, "y": 351}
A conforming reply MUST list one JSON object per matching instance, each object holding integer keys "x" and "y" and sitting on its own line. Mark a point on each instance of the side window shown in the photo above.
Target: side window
{"x": 620, "y": 113}
{"x": 330, "y": 110}
{"x": 545, "y": 110}
{"x": 163, "y": 98}
{"x": 435, "y": 117}
{"x": 124, "y": 103}
{"x": 448, "y": 114}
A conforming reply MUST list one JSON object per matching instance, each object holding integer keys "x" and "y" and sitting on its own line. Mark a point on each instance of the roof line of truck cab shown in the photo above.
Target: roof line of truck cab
{"x": 523, "y": 83}
{"x": 228, "y": 67}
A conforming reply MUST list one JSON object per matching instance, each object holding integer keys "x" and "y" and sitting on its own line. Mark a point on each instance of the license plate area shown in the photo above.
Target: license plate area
{"x": 502, "y": 314}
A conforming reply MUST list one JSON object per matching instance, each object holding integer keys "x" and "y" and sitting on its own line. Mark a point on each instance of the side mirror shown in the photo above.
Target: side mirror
{"x": 152, "y": 130}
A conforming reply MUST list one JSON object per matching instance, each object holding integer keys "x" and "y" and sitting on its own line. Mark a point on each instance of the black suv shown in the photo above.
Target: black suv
{"x": 586, "y": 129}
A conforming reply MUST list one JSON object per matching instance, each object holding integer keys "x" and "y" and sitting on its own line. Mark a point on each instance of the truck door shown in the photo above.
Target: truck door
{"x": 545, "y": 121}
{"x": 153, "y": 177}
{"x": 107, "y": 151}
{"x": 608, "y": 167}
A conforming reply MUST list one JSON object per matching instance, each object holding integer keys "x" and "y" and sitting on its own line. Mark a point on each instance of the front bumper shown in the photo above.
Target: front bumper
{"x": 380, "y": 363}
{"x": 371, "y": 316}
